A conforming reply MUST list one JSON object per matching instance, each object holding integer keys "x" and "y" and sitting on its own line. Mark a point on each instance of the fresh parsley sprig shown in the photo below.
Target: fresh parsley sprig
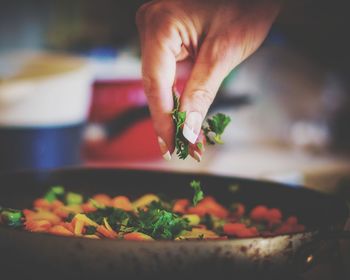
{"x": 213, "y": 128}
{"x": 198, "y": 193}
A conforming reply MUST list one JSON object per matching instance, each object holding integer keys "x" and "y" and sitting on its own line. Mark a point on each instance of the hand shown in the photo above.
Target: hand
{"x": 216, "y": 34}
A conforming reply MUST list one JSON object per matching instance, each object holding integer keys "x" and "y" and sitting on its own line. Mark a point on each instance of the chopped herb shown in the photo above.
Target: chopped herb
{"x": 181, "y": 143}
{"x": 215, "y": 128}
{"x": 54, "y": 193}
{"x": 74, "y": 198}
{"x": 11, "y": 217}
{"x": 70, "y": 217}
{"x": 201, "y": 236}
{"x": 90, "y": 230}
{"x": 198, "y": 193}
{"x": 159, "y": 223}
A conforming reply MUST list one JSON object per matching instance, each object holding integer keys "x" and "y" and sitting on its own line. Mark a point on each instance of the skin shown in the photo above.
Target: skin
{"x": 216, "y": 35}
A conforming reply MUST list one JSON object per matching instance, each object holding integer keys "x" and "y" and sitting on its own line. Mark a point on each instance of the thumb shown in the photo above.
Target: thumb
{"x": 212, "y": 65}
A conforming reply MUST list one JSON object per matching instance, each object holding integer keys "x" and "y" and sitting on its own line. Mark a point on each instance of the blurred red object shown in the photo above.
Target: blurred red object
{"x": 138, "y": 141}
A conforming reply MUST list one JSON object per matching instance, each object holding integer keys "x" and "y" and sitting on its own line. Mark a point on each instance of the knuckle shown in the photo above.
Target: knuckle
{"x": 202, "y": 98}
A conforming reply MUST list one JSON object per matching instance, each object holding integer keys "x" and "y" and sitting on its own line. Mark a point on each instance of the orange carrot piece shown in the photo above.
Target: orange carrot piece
{"x": 37, "y": 226}
{"x": 60, "y": 230}
{"x": 42, "y": 203}
{"x": 122, "y": 202}
{"x": 137, "y": 236}
{"x": 107, "y": 233}
{"x": 181, "y": 205}
{"x": 103, "y": 199}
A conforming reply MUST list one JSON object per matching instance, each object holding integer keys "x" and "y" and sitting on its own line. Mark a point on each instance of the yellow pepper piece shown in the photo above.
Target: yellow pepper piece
{"x": 193, "y": 219}
{"x": 85, "y": 220}
{"x": 78, "y": 229}
{"x": 107, "y": 225}
{"x": 144, "y": 201}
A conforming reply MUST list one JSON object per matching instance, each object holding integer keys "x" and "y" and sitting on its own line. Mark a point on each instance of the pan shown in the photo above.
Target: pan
{"x": 28, "y": 255}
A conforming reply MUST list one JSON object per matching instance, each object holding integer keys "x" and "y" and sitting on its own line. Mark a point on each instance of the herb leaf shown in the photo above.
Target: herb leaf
{"x": 198, "y": 193}
{"x": 181, "y": 144}
{"x": 54, "y": 193}
{"x": 215, "y": 128}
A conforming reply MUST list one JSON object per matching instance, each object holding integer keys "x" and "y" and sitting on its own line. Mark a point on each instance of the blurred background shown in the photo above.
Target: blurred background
{"x": 71, "y": 94}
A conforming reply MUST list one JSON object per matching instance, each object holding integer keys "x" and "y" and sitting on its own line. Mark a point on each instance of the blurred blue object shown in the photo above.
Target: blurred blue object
{"x": 40, "y": 148}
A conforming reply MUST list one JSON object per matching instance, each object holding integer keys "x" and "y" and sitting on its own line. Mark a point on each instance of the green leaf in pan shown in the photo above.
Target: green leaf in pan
{"x": 74, "y": 198}
{"x": 198, "y": 193}
{"x": 54, "y": 193}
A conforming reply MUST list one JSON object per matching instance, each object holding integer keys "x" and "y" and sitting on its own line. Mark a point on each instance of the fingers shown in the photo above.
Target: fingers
{"x": 160, "y": 44}
{"x": 215, "y": 60}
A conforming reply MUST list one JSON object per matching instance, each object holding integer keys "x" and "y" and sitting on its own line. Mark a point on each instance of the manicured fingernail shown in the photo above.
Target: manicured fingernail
{"x": 197, "y": 156}
{"x": 164, "y": 149}
{"x": 192, "y": 126}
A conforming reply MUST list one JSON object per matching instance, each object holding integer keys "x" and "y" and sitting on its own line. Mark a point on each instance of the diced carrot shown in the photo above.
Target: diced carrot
{"x": 292, "y": 220}
{"x": 137, "y": 236}
{"x": 37, "y": 225}
{"x": 107, "y": 233}
{"x": 68, "y": 226}
{"x": 274, "y": 216}
{"x": 122, "y": 202}
{"x": 214, "y": 208}
{"x": 259, "y": 213}
{"x": 56, "y": 204}
{"x": 60, "y": 230}
{"x": 233, "y": 228}
{"x": 180, "y": 205}
{"x": 28, "y": 213}
{"x": 199, "y": 210}
{"x": 61, "y": 212}
{"x": 44, "y": 215}
{"x": 88, "y": 207}
{"x": 42, "y": 203}
{"x": 91, "y": 236}
{"x": 103, "y": 199}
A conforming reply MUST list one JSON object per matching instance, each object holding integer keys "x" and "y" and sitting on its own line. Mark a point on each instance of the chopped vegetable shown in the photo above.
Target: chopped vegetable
{"x": 54, "y": 193}
{"x": 149, "y": 217}
{"x": 198, "y": 193}
{"x": 74, "y": 198}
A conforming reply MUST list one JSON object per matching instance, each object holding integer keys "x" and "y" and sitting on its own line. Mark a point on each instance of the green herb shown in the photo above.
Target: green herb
{"x": 181, "y": 143}
{"x": 74, "y": 198}
{"x": 70, "y": 217}
{"x": 215, "y": 128}
{"x": 159, "y": 223}
{"x": 11, "y": 217}
{"x": 201, "y": 236}
{"x": 198, "y": 193}
{"x": 54, "y": 193}
{"x": 90, "y": 230}
{"x": 115, "y": 217}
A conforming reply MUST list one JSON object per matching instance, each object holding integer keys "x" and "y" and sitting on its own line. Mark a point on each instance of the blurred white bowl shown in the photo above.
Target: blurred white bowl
{"x": 43, "y": 89}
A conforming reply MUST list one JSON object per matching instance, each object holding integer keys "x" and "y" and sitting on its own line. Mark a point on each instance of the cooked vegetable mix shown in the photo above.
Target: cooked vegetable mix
{"x": 147, "y": 218}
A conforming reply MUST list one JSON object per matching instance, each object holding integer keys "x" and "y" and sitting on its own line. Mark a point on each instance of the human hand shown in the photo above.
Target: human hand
{"x": 217, "y": 35}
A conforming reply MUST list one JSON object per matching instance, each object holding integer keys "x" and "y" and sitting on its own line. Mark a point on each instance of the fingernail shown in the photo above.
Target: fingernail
{"x": 164, "y": 149}
{"x": 197, "y": 156}
{"x": 192, "y": 126}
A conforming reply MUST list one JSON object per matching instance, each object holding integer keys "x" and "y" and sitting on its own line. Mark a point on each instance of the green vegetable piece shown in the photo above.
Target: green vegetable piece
{"x": 215, "y": 128}
{"x": 54, "y": 193}
{"x": 198, "y": 193}
{"x": 11, "y": 217}
{"x": 74, "y": 198}
{"x": 181, "y": 144}
{"x": 90, "y": 230}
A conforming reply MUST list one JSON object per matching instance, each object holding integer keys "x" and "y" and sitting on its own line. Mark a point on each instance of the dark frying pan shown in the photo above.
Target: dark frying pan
{"x": 41, "y": 256}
